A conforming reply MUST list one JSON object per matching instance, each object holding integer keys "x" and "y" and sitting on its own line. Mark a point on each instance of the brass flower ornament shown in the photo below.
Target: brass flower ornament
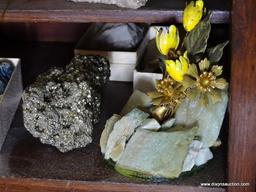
{"x": 205, "y": 82}
{"x": 181, "y": 78}
{"x": 166, "y": 98}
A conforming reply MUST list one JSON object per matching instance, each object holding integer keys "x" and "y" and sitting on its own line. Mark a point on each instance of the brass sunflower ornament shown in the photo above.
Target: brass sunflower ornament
{"x": 204, "y": 81}
{"x": 191, "y": 68}
{"x": 166, "y": 98}
{"x": 171, "y": 130}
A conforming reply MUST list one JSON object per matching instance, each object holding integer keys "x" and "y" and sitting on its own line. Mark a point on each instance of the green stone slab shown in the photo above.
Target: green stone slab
{"x": 156, "y": 154}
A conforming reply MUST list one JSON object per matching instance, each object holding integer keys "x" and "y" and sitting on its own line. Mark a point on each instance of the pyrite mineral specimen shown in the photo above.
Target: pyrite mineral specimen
{"x": 62, "y": 106}
{"x": 133, "y": 4}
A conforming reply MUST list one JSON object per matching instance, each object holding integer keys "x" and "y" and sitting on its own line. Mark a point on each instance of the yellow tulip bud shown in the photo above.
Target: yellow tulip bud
{"x": 192, "y": 15}
{"x": 166, "y": 41}
{"x": 178, "y": 68}
{"x": 174, "y": 38}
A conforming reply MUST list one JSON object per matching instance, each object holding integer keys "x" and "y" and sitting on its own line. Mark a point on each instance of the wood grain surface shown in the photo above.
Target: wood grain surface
{"x": 66, "y": 186}
{"x": 19, "y": 167}
{"x": 242, "y": 133}
{"x": 156, "y": 11}
{"x": 24, "y": 157}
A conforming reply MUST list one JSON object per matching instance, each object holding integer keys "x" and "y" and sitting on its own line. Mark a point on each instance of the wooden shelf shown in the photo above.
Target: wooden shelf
{"x": 156, "y": 11}
{"x": 24, "y": 157}
{"x": 26, "y": 163}
{"x": 24, "y": 153}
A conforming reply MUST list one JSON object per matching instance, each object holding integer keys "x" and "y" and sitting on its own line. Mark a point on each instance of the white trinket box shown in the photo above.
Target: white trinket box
{"x": 144, "y": 80}
{"x": 122, "y": 63}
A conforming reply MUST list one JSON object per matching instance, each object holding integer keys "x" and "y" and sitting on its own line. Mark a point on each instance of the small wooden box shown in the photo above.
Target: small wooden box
{"x": 10, "y": 100}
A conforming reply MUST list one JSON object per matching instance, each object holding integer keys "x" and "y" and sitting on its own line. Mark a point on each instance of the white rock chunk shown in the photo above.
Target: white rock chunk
{"x": 197, "y": 155}
{"x": 137, "y": 99}
{"x": 168, "y": 124}
{"x": 107, "y": 130}
{"x": 150, "y": 124}
{"x": 123, "y": 128}
{"x": 209, "y": 118}
{"x": 133, "y": 4}
{"x": 118, "y": 149}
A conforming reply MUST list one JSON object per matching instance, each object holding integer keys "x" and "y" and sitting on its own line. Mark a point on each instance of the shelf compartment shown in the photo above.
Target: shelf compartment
{"x": 37, "y": 185}
{"x": 23, "y": 156}
{"x": 156, "y": 11}
{"x": 24, "y": 160}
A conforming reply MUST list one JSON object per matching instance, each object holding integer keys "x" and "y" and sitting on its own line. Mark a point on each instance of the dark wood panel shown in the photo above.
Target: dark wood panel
{"x": 23, "y": 156}
{"x": 67, "y": 186}
{"x": 242, "y": 133}
{"x": 156, "y": 11}
{"x": 49, "y": 32}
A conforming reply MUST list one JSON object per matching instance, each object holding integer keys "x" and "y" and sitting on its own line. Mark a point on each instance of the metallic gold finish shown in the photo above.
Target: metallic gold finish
{"x": 166, "y": 99}
{"x": 204, "y": 82}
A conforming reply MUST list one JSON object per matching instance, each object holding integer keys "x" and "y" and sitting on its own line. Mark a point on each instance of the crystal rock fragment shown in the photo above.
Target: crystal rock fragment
{"x": 150, "y": 124}
{"x": 133, "y": 4}
{"x": 137, "y": 99}
{"x": 168, "y": 124}
{"x": 197, "y": 155}
{"x": 157, "y": 154}
{"x": 209, "y": 118}
{"x": 62, "y": 105}
{"x": 107, "y": 130}
{"x": 113, "y": 37}
{"x": 123, "y": 128}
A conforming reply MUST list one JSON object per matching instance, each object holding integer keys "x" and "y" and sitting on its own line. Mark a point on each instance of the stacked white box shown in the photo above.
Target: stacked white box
{"x": 122, "y": 63}
{"x": 145, "y": 81}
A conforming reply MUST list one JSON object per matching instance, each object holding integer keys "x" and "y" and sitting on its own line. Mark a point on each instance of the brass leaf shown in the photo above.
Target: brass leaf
{"x": 221, "y": 83}
{"x": 215, "y": 53}
{"x": 154, "y": 95}
{"x": 217, "y": 70}
{"x": 204, "y": 64}
{"x": 196, "y": 40}
{"x": 192, "y": 70}
{"x": 188, "y": 82}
